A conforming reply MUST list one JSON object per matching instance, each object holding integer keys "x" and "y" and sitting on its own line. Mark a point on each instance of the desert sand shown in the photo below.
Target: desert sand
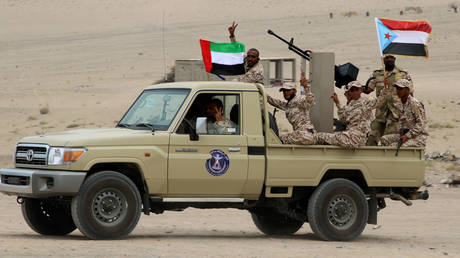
{"x": 86, "y": 61}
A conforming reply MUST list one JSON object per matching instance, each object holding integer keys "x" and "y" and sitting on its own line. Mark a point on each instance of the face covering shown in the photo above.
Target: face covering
{"x": 389, "y": 67}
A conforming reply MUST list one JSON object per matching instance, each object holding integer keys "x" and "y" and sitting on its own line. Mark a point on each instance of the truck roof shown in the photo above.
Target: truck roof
{"x": 197, "y": 85}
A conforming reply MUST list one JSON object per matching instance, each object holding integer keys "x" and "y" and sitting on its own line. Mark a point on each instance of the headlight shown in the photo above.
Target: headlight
{"x": 64, "y": 156}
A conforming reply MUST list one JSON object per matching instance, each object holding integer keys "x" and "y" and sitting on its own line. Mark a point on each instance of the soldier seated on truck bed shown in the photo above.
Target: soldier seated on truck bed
{"x": 412, "y": 119}
{"x": 297, "y": 109}
{"x": 357, "y": 116}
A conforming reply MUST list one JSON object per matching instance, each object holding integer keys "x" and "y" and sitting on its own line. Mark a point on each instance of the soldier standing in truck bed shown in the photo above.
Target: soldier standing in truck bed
{"x": 297, "y": 109}
{"x": 412, "y": 119}
{"x": 254, "y": 69}
{"x": 386, "y": 115}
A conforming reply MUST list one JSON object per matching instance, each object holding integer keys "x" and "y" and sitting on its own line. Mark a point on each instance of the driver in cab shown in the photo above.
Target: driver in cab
{"x": 217, "y": 122}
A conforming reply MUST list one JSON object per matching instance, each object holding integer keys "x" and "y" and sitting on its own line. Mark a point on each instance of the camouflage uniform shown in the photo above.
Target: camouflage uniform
{"x": 357, "y": 115}
{"x": 225, "y": 126}
{"x": 298, "y": 114}
{"x": 412, "y": 117}
{"x": 253, "y": 74}
{"x": 386, "y": 115}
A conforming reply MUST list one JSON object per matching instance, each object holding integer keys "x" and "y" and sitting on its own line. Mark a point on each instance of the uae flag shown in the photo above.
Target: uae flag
{"x": 223, "y": 58}
{"x": 405, "y": 38}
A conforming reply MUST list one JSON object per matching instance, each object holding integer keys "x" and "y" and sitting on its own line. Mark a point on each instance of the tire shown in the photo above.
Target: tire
{"x": 108, "y": 206}
{"x": 338, "y": 210}
{"x": 276, "y": 224}
{"x": 48, "y": 216}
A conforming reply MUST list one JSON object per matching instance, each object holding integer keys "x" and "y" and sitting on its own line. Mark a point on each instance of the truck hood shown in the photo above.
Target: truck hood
{"x": 100, "y": 137}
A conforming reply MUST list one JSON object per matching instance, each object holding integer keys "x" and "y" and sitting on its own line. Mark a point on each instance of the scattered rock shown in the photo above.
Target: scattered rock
{"x": 452, "y": 180}
{"x": 73, "y": 125}
{"x": 445, "y": 181}
{"x": 435, "y": 155}
{"x": 376, "y": 226}
{"x": 426, "y": 184}
{"x": 446, "y": 156}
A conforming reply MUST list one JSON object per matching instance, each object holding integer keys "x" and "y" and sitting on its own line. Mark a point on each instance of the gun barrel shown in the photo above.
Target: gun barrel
{"x": 291, "y": 46}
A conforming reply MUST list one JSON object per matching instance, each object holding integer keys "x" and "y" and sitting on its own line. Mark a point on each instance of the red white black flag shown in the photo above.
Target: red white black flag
{"x": 406, "y": 38}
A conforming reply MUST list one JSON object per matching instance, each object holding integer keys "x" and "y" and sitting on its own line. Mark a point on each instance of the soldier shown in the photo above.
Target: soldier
{"x": 412, "y": 119}
{"x": 357, "y": 116}
{"x": 217, "y": 122}
{"x": 386, "y": 118}
{"x": 254, "y": 69}
{"x": 297, "y": 109}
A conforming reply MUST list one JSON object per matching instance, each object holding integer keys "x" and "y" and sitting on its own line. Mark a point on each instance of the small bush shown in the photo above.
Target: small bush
{"x": 73, "y": 125}
{"x": 44, "y": 110}
{"x": 437, "y": 125}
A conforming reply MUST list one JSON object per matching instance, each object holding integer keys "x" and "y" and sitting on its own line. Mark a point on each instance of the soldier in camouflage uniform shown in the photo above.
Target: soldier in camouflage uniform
{"x": 412, "y": 119}
{"x": 357, "y": 116}
{"x": 254, "y": 69}
{"x": 297, "y": 109}
{"x": 386, "y": 115}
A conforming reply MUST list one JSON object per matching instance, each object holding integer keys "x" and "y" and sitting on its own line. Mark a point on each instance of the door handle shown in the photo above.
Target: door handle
{"x": 234, "y": 149}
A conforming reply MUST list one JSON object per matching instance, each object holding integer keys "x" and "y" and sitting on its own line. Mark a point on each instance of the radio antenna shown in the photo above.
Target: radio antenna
{"x": 163, "y": 46}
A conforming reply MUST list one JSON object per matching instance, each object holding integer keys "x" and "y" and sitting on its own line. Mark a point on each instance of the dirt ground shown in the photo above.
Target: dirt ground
{"x": 426, "y": 229}
{"x": 86, "y": 61}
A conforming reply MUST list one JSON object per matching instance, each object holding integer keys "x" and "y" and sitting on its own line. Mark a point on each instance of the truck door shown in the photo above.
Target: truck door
{"x": 217, "y": 163}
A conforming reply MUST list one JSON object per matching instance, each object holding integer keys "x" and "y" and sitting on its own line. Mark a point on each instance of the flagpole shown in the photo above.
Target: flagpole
{"x": 384, "y": 75}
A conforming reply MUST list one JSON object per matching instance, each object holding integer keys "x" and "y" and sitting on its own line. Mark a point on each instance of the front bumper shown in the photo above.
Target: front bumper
{"x": 40, "y": 183}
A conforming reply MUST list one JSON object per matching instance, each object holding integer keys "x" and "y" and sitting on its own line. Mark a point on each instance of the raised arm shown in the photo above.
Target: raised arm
{"x": 309, "y": 99}
{"x": 231, "y": 31}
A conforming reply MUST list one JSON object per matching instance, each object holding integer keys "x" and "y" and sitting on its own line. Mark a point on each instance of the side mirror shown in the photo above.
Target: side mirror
{"x": 201, "y": 125}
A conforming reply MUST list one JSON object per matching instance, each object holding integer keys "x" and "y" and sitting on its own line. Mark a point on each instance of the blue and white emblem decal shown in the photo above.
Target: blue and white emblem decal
{"x": 218, "y": 164}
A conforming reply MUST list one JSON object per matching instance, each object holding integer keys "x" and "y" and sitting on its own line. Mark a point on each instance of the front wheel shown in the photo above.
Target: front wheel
{"x": 273, "y": 223}
{"x": 108, "y": 206}
{"x": 48, "y": 216}
{"x": 338, "y": 210}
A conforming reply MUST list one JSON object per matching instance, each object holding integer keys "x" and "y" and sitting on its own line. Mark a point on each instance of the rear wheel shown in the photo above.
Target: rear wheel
{"x": 338, "y": 210}
{"x": 276, "y": 224}
{"x": 48, "y": 216}
{"x": 108, "y": 206}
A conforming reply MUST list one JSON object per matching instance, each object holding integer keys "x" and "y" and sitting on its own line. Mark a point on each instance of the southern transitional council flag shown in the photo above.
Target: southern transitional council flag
{"x": 406, "y": 38}
{"x": 223, "y": 58}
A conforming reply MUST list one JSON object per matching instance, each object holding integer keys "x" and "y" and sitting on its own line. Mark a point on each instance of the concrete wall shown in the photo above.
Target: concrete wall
{"x": 274, "y": 70}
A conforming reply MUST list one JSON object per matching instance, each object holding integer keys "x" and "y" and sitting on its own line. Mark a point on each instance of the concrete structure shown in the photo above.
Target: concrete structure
{"x": 322, "y": 85}
{"x": 276, "y": 70}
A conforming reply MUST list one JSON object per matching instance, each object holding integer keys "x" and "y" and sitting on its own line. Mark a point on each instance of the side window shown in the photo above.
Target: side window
{"x": 221, "y": 110}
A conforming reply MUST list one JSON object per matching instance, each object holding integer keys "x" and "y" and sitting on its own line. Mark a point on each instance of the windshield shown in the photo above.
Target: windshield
{"x": 154, "y": 109}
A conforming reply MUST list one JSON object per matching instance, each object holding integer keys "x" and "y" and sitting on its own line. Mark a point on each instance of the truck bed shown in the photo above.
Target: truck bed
{"x": 302, "y": 165}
